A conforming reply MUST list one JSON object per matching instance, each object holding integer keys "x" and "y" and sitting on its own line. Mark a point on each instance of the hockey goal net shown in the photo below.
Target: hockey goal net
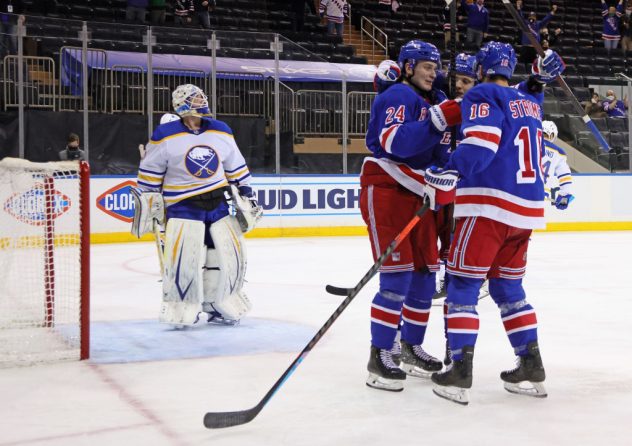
{"x": 44, "y": 261}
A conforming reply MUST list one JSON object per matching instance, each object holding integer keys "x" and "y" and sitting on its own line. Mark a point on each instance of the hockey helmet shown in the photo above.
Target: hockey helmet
{"x": 168, "y": 117}
{"x": 386, "y": 75}
{"x": 550, "y": 130}
{"x": 417, "y": 50}
{"x": 466, "y": 65}
{"x": 497, "y": 58}
{"x": 190, "y": 100}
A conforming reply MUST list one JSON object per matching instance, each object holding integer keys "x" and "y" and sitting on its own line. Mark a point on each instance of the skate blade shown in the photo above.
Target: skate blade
{"x": 417, "y": 372}
{"x": 528, "y": 388}
{"x": 378, "y": 382}
{"x": 455, "y": 394}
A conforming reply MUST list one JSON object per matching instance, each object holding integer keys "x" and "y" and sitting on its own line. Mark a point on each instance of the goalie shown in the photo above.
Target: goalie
{"x": 190, "y": 176}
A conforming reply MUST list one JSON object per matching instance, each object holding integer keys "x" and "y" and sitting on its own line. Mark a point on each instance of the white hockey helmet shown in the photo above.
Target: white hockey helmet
{"x": 550, "y": 130}
{"x": 168, "y": 117}
{"x": 190, "y": 100}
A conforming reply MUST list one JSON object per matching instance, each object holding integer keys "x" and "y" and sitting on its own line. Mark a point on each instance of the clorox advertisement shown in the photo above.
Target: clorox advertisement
{"x": 118, "y": 201}
{"x": 35, "y": 205}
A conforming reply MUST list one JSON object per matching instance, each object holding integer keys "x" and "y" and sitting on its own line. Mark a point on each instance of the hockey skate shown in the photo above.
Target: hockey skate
{"x": 528, "y": 376}
{"x": 396, "y": 352}
{"x": 447, "y": 359}
{"x": 214, "y": 317}
{"x": 416, "y": 362}
{"x": 453, "y": 382}
{"x": 383, "y": 372}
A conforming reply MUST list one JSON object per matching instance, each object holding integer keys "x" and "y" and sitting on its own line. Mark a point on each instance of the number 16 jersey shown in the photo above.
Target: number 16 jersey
{"x": 499, "y": 156}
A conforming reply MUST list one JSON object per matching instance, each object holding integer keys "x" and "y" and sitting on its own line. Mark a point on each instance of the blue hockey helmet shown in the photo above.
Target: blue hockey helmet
{"x": 466, "y": 65}
{"x": 417, "y": 50}
{"x": 497, "y": 58}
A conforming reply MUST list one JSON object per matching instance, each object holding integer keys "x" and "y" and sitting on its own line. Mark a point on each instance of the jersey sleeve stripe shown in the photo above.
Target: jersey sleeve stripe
{"x": 387, "y": 135}
{"x": 149, "y": 179}
{"x": 152, "y": 172}
{"x": 473, "y": 141}
{"x": 230, "y": 171}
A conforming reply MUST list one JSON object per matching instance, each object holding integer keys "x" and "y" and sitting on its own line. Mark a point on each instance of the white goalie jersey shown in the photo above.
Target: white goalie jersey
{"x": 180, "y": 163}
{"x": 556, "y": 171}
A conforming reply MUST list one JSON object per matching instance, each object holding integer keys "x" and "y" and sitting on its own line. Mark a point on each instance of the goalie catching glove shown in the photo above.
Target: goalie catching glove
{"x": 247, "y": 210}
{"x": 440, "y": 187}
{"x": 546, "y": 69}
{"x": 148, "y": 207}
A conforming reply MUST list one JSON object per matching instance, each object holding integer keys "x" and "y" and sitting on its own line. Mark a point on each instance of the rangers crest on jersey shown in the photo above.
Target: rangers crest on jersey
{"x": 202, "y": 161}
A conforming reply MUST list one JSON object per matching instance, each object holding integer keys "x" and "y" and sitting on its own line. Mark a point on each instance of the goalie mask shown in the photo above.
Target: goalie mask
{"x": 550, "y": 130}
{"x": 190, "y": 100}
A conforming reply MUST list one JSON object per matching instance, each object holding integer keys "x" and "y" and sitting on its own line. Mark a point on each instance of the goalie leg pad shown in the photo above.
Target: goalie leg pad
{"x": 225, "y": 270}
{"x": 182, "y": 285}
{"x": 148, "y": 206}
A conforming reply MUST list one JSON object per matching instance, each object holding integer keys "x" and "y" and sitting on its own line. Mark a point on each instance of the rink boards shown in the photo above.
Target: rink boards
{"x": 328, "y": 205}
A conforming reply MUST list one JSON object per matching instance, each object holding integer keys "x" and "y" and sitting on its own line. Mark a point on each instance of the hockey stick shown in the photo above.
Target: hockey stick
{"x": 216, "y": 420}
{"x": 159, "y": 246}
{"x": 352, "y": 292}
{"x": 561, "y": 82}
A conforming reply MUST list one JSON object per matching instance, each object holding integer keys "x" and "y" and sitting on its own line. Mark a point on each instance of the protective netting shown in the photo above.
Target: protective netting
{"x": 40, "y": 262}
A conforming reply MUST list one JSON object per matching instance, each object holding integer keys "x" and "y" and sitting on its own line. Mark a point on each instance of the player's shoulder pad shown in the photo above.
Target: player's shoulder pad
{"x": 398, "y": 94}
{"x": 214, "y": 125}
{"x": 555, "y": 147}
{"x": 482, "y": 93}
{"x": 167, "y": 130}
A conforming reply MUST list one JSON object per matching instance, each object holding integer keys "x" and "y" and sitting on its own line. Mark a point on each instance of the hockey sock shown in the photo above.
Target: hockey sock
{"x": 386, "y": 308}
{"x": 462, "y": 317}
{"x": 416, "y": 309}
{"x": 517, "y": 314}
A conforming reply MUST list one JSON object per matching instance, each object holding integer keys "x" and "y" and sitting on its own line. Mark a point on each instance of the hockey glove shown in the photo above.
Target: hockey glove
{"x": 386, "y": 75}
{"x": 547, "y": 69}
{"x": 440, "y": 187}
{"x": 247, "y": 210}
{"x": 446, "y": 114}
{"x": 562, "y": 201}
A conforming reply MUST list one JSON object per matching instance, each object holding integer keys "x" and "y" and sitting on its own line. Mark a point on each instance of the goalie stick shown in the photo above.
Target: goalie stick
{"x": 560, "y": 80}
{"x": 217, "y": 420}
{"x": 351, "y": 292}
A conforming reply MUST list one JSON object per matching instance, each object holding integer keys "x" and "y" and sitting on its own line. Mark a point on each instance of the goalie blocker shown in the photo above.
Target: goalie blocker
{"x": 197, "y": 278}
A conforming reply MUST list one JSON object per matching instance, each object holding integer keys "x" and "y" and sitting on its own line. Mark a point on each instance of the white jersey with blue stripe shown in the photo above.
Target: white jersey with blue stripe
{"x": 555, "y": 169}
{"x": 499, "y": 156}
{"x": 181, "y": 163}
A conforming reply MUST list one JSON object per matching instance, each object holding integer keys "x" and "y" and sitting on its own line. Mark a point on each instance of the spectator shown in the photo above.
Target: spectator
{"x": 72, "y": 150}
{"x": 8, "y": 27}
{"x": 626, "y": 34}
{"x": 157, "y": 13}
{"x": 611, "y": 20}
{"x": 477, "y": 21}
{"x": 594, "y": 107}
{"x": 202, "y": 9}
{"x": 44, "y": 7}
{"x": 136, "y": 10}
{"x": 183, "y": 12}
{"x": 298, "y": 6}
{"x": 447, "y": 24}
{"x": 615, "y": 108}
{"x": 552, "y": 39}
{"x": 528, "y": 53}
{"x": 336, "y": 11}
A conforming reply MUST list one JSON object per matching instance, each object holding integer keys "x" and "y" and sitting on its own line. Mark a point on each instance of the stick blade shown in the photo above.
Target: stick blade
{"x": 338, "y": 291}
{"x": 218, "y": 420}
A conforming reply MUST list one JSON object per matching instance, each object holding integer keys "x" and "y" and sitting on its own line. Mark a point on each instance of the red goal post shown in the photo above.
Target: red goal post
{"x": 44, "y": 261}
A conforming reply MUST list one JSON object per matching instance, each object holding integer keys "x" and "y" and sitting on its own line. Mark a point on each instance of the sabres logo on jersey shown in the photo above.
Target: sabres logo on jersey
{"x": 31, "y": 207}
{"x": 201, "y": 161}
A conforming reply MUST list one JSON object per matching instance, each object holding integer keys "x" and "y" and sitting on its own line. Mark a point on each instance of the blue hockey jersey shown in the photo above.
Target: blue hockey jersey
{"x": 499, "y": 156}
{"x": 401, "y": 136}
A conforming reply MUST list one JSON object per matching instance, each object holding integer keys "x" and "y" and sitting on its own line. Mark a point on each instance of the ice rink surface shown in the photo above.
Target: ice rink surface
{"x": 149, "y": 385}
